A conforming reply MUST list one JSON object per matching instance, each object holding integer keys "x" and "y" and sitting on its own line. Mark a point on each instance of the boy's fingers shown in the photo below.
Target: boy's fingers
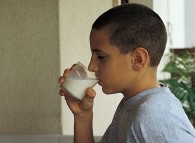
{"x": 66, "y": 95}
{"x": 62, "y": 93}
{"x": 66, "y": 72}
{"x": 72, "y": 66}
{"x": 71, "y": 102}
{"x": 90, "y": 93}
{"x": 61, "y": 80}
{"x": 87, "y": 102}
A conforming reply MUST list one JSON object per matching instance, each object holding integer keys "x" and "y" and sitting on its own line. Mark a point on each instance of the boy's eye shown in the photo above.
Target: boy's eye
{"x": 101, "y": 57}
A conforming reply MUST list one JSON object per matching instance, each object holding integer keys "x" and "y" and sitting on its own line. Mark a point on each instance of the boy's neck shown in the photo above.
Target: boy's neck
{"x": 148, "y": 81}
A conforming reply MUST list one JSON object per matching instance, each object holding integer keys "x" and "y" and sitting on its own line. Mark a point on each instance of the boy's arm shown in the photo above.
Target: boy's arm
{"x": 82, "y": 111}
{"x": 83, "y": 128}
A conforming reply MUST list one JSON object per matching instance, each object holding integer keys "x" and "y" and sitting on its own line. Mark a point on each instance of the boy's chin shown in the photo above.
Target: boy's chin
{"x": 108, "y": 91}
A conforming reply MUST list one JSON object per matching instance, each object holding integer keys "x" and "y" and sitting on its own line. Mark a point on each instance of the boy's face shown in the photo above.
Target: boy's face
{"x": 113, "y": 68}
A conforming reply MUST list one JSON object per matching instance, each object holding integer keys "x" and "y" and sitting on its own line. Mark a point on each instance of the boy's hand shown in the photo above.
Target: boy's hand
{"x": 78, "y": 107}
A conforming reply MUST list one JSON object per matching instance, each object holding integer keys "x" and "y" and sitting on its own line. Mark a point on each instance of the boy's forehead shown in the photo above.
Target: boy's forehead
{"x": 98, "y": 39}
{"x": 99, "y": 36}
{"x": 100, "y": 43}
{"x": 96, "y": 32}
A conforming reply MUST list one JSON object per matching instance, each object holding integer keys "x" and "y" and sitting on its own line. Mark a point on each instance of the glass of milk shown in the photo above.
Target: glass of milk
{"x": 79, "y": 79}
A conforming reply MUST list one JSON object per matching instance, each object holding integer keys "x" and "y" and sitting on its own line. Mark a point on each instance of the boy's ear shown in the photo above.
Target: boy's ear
{"x": 140, "y": 58}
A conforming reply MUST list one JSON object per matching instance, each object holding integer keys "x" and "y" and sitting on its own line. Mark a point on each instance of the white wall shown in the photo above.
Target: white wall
{"x": 76, "y": 18}
{"x": 176, "y": 12}
{"x": 160, "y": 7}
{"x": 173, "y": 14}
{"x": 180, "y": 15}
{"x": 179, "y": 18}
{"x": 189, "y": 23}
{"x": 148, "y": 3}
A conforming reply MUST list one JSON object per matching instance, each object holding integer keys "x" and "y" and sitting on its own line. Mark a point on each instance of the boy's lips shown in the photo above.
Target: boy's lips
{"x": 97, "y": 77}
{"x": 100, "y": 83}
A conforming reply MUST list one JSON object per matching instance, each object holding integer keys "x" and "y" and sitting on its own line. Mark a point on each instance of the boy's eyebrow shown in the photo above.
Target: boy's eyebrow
{"x": 97, "y": 50}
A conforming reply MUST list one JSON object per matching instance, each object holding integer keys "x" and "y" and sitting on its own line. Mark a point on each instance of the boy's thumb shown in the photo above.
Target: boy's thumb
{"x": 90, "y": 93}
{"x": 87, "y": 102}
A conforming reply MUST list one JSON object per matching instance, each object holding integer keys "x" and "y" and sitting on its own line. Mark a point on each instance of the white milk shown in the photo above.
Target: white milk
{"x": 77, "y": 87}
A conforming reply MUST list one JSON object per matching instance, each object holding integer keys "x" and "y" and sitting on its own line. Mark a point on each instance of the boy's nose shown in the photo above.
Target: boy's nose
{"x": 92, "y": 67}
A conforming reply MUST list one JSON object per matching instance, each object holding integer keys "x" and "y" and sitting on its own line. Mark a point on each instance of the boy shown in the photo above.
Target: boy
{"x": 127, "y": 43}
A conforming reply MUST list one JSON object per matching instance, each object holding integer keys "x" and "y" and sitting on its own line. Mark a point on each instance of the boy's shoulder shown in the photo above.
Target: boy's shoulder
{"x": 160, "y": 103}
{"x": 155, "y": 105}
{"x": 150, "y": 99}
{"x": 161, "y": 115}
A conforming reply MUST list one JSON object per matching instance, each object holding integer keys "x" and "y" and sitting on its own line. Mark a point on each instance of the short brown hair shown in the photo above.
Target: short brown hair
{"x": 134, "y": 25}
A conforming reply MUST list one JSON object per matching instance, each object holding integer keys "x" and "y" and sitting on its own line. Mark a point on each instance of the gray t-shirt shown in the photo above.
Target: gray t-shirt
{"x": 152, "y": 116}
